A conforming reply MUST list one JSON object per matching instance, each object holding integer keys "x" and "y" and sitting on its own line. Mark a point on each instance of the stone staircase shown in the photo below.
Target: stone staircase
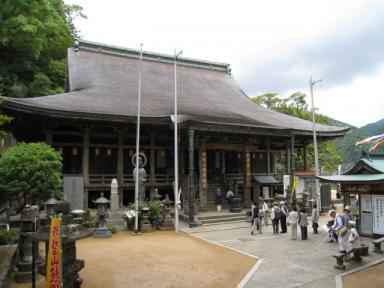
{"x": 214, "y": 218}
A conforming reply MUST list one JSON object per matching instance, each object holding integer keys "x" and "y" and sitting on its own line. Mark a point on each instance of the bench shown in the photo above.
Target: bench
{"x": 377, "y": 245}
{"x": 339, "y": 260}
{"x": 357, "y": 253}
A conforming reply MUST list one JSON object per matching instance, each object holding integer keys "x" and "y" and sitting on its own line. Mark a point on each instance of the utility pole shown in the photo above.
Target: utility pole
{"x": 138, "y": 145}
{"x": 176, "y": 186}
{"x": 318, "y": 196}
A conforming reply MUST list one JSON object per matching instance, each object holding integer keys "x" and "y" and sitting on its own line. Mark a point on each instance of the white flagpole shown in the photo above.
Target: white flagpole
{"x": 176, "y": 186}
{"x": 318, "y": 195}
{"x": 138, "y": 145}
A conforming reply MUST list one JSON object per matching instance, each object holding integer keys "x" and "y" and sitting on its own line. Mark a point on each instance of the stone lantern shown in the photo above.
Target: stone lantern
{"x": 50, "y": 207}
{"x": 167, "y": 223}
{"x": 102, "y": 206}
{"x": 29, "y": 219}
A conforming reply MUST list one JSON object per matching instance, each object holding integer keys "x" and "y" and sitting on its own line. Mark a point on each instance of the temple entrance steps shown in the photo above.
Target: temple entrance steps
{"x": 213, "y": 218}
{"x": 211, "y": 195}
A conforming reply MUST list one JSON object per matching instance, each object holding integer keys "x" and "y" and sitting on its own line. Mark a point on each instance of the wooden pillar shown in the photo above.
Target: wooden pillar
{"x": 120, "y": 165}
{"x": 203, "y": 175}
{"x": 85, "y": 165}
{"x": 191, "y": 176}
{"x": 268, "y": 156}
{"x": 152, "y": 167}
{"x": 247, "y": 174}
{"x": 223, "y": 162}
{"x": 305, "y": 157}
{"x": 273, "y": 163}
{"x": 49, "y": 137}
{"x": 287, "y": 160}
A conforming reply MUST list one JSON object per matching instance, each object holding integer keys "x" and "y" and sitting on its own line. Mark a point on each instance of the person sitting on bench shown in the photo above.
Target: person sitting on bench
{"x": 350, "y": 240}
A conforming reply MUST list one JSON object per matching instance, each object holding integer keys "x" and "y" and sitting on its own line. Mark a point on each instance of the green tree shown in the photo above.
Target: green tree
{"x": 296, "y": 105}
{"x": 30, "y": 172}
{"x": 34, "y": 37}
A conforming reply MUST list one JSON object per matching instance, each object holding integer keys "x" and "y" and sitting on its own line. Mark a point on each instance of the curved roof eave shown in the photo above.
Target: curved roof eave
{"x": 10, "y": 104}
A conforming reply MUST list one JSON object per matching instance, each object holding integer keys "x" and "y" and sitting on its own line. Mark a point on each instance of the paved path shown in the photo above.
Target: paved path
{"x": 286, "y": 263}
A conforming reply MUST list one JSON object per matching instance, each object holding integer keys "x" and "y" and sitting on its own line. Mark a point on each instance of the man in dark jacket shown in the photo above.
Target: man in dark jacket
{"x": 283, "y": 217}
{"x": 255, "y": 215}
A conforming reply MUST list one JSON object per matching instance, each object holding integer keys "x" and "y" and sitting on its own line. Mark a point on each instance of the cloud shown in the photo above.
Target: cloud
{"x": 353, "y": 49}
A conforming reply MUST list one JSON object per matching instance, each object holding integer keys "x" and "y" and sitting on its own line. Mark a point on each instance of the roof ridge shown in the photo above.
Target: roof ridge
{"x": 81, "y": 44}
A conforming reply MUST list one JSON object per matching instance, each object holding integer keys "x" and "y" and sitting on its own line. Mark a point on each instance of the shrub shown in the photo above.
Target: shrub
{"x": 111, "y": 228}
{"x": 31, "y": 171}
{"x": 7, "y": 237}
{"x": 154, "y": 210}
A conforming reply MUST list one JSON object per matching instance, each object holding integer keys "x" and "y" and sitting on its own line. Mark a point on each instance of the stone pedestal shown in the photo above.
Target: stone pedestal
{"x": 235, "y": 206}
{"x": 71, "y": 265}
{"x": 145, "y": 225}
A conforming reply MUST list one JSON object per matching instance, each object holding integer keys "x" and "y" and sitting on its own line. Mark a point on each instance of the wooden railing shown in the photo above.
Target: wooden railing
{"x": 106, "y": 179}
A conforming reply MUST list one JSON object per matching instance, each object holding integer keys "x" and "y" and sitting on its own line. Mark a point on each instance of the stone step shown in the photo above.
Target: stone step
{"x": 221, "y": 218}
{"x": 221, "y": 215}
{"x": 224, "y": 220}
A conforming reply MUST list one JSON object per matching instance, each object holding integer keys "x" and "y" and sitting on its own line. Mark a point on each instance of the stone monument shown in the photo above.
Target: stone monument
{"x": 115, "y": 216}
{"x": 114, "y": 196}
{"x": 73, "y": 187}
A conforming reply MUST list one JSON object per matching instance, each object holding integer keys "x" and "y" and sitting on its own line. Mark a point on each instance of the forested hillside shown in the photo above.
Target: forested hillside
{"x": 346, "y": 146}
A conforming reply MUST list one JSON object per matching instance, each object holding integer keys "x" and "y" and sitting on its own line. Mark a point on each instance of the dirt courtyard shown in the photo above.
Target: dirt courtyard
{"x": 157, "y": 259}
{"x": 372, "y": 277}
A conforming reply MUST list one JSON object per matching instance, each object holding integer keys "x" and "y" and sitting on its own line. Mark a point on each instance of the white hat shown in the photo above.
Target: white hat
{"x": 281, "y": 202}
{"x": 352, "y": 223}
{"x": 347, "y": 208}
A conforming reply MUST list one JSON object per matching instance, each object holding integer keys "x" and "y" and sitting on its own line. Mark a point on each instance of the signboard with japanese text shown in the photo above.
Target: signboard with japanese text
{"x": 378, "y": 214}
{"x": 54, "y": 276}
{"x": 366, "y": 203}
{"x": 73, "y": 188}
{"x": 286, "y": 183}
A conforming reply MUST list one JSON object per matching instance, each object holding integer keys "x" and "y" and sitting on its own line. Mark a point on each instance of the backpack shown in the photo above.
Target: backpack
{"x": 277, "y": 213}
{"x": 255, "y": 212}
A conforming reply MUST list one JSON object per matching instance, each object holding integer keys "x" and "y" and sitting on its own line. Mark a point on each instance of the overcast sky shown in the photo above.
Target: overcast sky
{"x": 272, "y": 46}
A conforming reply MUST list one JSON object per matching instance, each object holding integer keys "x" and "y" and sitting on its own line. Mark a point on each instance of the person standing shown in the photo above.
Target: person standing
{"x": 303, "y": 222}
{"x": 275, "y": 217}
{"x": 265, "y": 211}
{"x": 337, "y": 224}
{"x": 218, "y": 200}
{"x": 229, "y": 195}
{"x": 293, "y": 220}
{"x": 346, "y": 215}
{"x": 255, "y": 215}
{"x": 315, "y": 218}
{"x": 283, "y": 217}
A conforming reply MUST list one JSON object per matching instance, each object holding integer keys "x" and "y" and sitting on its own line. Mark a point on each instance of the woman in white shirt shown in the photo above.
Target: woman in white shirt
{"x": 293, "y": 220}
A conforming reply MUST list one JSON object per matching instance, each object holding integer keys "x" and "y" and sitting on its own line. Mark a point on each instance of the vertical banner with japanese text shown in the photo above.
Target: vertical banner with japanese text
{"x": 54, "y": 276}
{"x": 378, "y": 214}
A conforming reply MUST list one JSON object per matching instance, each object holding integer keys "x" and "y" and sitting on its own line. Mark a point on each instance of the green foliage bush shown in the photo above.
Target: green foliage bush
{"x": 34, "y": 37}
{"x": 7, "y": 237}
{"x": 31, "y": 171}
{"x": 154, "y": 210}
{"x": 111, "y": 228}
